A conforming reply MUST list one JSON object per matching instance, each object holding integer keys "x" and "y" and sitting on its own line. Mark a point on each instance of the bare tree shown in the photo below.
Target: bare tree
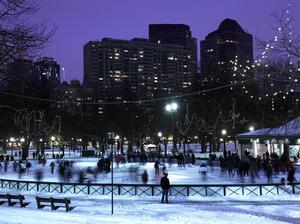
{"x": 278, "y": 68}
{"x": 209, "y": 124}
{"x": 234, "y": 118}
{"x": 33, "y": 125}
{"x": 284, "y": 47}
{"x": 19, "y": 36}
{"x": 185, "y": 127}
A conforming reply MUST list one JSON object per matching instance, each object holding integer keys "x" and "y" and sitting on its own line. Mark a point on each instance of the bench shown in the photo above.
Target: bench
{"x": 54, "y": 203}
{"x": 13, "y": 200}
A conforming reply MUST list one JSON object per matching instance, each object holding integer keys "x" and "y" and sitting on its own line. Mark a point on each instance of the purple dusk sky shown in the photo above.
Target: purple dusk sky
{"x": 80, "y": 21}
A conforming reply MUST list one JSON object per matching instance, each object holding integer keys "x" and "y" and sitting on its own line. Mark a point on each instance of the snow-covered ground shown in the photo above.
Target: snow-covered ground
{"x": 135, "y": 210}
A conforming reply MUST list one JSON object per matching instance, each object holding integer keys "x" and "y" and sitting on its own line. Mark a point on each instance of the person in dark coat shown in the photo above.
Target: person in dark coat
{"x": 145, "y": 177}
{"x": 291, "y": 175}
{"x": 52, "y": 165}
{"x": 156, "y": 166}
{"x": 165, "y": 185}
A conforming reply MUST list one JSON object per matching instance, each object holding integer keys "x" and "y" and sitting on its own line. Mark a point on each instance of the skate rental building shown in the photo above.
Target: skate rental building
{"x": 283, "y": 139}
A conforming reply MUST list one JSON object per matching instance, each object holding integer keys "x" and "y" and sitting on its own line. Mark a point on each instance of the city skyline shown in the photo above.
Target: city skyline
{"x": 80, "y": 22}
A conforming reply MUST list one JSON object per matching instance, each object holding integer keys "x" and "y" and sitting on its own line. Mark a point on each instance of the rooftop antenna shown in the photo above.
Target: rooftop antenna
{"x": 63, "y": 73}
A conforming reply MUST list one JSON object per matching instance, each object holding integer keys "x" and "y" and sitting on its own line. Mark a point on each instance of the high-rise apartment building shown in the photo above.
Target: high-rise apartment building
{"x": 227, "y": 53}
{"x": 121, "y": 70}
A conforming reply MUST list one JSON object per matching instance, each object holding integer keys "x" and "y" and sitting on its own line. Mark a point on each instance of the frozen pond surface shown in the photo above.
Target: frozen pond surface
{"x": 131, "y": 173}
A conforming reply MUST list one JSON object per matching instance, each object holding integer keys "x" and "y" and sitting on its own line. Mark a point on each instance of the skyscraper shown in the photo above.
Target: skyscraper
{"x": 176, "y": 34}
{"x": 227, "y": 53}
{"x": 48, "y": 70}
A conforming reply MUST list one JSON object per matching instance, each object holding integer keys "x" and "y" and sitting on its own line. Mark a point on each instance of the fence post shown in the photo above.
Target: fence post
{"x": 293, "y": 187}
{"x": 260, "y": 189}
{"x": 224, "y": 190}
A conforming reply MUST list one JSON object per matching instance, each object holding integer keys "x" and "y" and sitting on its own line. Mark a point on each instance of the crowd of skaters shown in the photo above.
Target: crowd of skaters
{"x": 230, "y": 166}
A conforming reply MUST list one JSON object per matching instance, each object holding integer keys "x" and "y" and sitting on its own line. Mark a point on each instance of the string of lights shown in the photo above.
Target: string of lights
{"x": 128, "y": 102}
{"x": 282, "y": 47}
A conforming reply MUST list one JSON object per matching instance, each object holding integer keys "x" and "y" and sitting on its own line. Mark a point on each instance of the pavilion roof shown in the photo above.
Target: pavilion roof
{"x": 288, "y": 130}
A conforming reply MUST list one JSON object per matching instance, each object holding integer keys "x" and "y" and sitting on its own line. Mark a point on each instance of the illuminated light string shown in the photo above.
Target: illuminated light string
{"x": 128, "y": 102}
{"x": 293, "y": 67}
{"x": 138, "y": 101}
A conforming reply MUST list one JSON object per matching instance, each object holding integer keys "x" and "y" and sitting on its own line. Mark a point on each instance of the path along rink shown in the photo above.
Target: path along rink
{"x": 135, "y": 210}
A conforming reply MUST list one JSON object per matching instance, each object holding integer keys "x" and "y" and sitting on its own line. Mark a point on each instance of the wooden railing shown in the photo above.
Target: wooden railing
{"x": 151, "y": 189}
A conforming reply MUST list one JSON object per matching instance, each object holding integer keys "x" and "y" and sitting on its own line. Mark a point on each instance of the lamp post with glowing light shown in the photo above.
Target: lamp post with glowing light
{"x": 12, "y": 141}
{"x": 224, "y": 132}
{"x": 52, "y": 145}
{"x": 159, "y": 134}
{"x": 171, "y": 108}
{"x": 117, "y": 138}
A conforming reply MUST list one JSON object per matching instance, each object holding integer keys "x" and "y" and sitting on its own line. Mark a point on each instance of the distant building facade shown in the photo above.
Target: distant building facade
{"x": 21, "y": 77}
{"x": 176, "y": 34}
{"x": 227, "y": 53}
{"x": 121, "y": 70}
{"x": 48, "y": 70}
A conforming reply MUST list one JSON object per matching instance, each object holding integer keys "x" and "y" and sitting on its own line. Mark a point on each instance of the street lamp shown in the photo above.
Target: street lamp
{"x": 52, "y": 140}
{"x": 251, "y": 128}
{"x": 12, "y": 140}
{"x": 171, "y": 108}
{"x": 224, "y": 132}
{"x": 117, "y": 141}
{"x": 159, "y": 134}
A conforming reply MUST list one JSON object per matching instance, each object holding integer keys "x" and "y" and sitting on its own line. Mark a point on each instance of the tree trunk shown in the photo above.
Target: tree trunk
{"x": 25, "y": 150}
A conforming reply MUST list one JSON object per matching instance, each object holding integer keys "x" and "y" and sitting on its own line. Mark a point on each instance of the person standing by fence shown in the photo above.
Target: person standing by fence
{"x": 165, "y": 185}
{"x": 145, "y": 177}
